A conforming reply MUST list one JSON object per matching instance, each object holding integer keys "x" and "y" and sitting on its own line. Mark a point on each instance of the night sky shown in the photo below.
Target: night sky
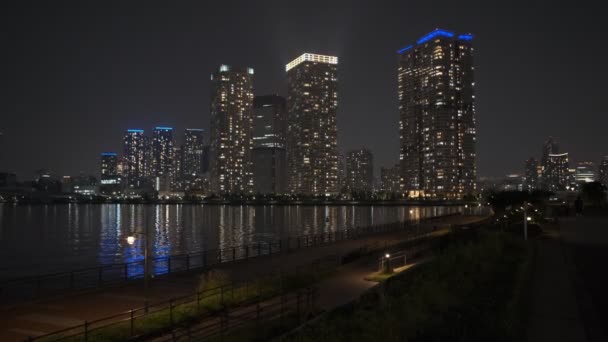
{"x": 76, "y": 75}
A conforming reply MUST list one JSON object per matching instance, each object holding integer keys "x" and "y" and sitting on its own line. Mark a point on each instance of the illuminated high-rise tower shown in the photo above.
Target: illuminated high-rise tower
{"x": 437, "y": 116}
{"x": 110, "y": 182}
{"x": 549, "y": 147}
{"x": 134, "y": 156}
{"x": 360, "y": 170}
{"x": 162, "y": 157}
{"x": 192, "y": 152}
{"x": 557, "y": 174}
{"x": 109, "y": 165}
{"x": 231, "y": 130}
{"x": 269, "y": 154}
{"x": 531, "y": 174}
{"x": 312, "y": 135}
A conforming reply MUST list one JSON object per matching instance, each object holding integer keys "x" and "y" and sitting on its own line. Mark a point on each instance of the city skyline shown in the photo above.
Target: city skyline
{"x": 124, "y": 107}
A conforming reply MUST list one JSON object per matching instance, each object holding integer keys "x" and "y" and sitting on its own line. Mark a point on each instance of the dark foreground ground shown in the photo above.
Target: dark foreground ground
{"x": 586, "y": 243}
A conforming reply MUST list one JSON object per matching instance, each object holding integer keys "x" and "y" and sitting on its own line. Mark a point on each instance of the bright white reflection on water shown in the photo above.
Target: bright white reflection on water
{"x": 41, "y": 239}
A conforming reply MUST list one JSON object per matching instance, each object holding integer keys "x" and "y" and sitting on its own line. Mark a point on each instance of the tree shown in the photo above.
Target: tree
{"x": 595, "y": 193}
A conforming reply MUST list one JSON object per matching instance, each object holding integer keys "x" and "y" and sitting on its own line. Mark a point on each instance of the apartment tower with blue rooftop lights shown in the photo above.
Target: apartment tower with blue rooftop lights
{"x": 437, "y": 116}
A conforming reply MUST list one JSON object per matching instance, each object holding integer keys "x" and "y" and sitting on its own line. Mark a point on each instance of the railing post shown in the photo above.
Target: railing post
{"x": 259, "y": 248}
{"x": 222, "y": 294}
{"x": 100, "y": 278}
{"x": 282, "y": 309}
{"x": 298, "y": 307}
{"x": 198, "y": 301}
{"x": 204, "y": 259}
{"x": 257, "y": 314}
{"x": 168, "y": 264}
{"x": 132, "y": 323}
{"x": 246, "y": 251}
{"x": 269, "y": 248}
{"x": 86, "y": 330}
{"x": 71, "y": 279}
{"x": 171, "y": 312}
{"x": 298, "y": 238}
{"x": 126, "y": 271}
{"x": 233, "y": 253}
{"x": 280, "y": 245}
{"x": 187, "y": 261}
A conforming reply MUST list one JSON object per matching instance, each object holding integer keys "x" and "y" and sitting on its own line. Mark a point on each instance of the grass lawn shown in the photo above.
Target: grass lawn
{"x": 472, "y": 291}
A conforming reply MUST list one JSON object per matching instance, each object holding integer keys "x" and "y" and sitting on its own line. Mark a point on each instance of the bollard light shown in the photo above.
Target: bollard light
{"x": 130, "y": 240}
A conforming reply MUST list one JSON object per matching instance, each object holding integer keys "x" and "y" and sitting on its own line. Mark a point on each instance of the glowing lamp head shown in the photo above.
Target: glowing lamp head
{"x": 411, "y": 211}
{"x": 387, "y": 255}
{"x": 130, "y": 240}
{"x": 529, "y": 218}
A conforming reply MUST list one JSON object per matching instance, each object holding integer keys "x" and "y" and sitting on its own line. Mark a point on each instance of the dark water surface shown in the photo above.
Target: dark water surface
{"x": 40, "y": 239}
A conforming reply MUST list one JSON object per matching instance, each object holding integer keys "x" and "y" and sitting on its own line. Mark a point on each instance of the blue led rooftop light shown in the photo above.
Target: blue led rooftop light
{"x": 467, "y": 36}
{"x": 405, "y": 49}
{"x": 436, "y": 33}
{"x": 108, "y": 154}
{"x": 135, "y": 130}
{"x": 164, "y": 128}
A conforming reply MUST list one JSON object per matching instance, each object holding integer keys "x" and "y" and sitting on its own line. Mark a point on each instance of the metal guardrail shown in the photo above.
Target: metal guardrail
{"x": 209, "y": 305}
{"x": 20, "y": 289}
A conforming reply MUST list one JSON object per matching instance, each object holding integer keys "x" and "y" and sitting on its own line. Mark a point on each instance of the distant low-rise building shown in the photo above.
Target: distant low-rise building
{"x": 8, "y": 180}
{"x": 556, "y": 172}
{"x": 531, "y": 174}
{"x": 585, "y": 172}
{"x": 360, "y": 170}
{"x": 110, "y": 181}
{"x": 390, "y": 179}
{"x": 512, "y": 182}
{"x": 603, "y": 171}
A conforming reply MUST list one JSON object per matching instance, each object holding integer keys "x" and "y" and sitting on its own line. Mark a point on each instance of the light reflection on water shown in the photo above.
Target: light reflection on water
{"x": 50, "y": 238}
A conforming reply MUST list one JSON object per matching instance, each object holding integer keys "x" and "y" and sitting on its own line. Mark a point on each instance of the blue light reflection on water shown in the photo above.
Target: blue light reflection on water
{"x": 45, "y": 239}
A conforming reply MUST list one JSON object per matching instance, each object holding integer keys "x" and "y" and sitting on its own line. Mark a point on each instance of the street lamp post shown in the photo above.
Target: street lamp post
{"x": 131, "y": 240}
{"x": 386, "y": 266}
{"x": 526, "y": 219}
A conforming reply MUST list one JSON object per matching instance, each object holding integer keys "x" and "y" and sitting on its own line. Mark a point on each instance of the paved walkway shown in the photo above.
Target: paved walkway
{"x": 344, "y": 286}
{"x": 569, "y": 298}
{"x": 553, "y": 314}
{"x": 33, "y": 319}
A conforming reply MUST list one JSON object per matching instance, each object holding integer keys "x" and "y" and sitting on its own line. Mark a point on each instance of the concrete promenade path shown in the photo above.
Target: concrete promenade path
{"x": 569, "y": 297}
{"x": 19, "y": 322}
{"x": 345, "y": 285}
